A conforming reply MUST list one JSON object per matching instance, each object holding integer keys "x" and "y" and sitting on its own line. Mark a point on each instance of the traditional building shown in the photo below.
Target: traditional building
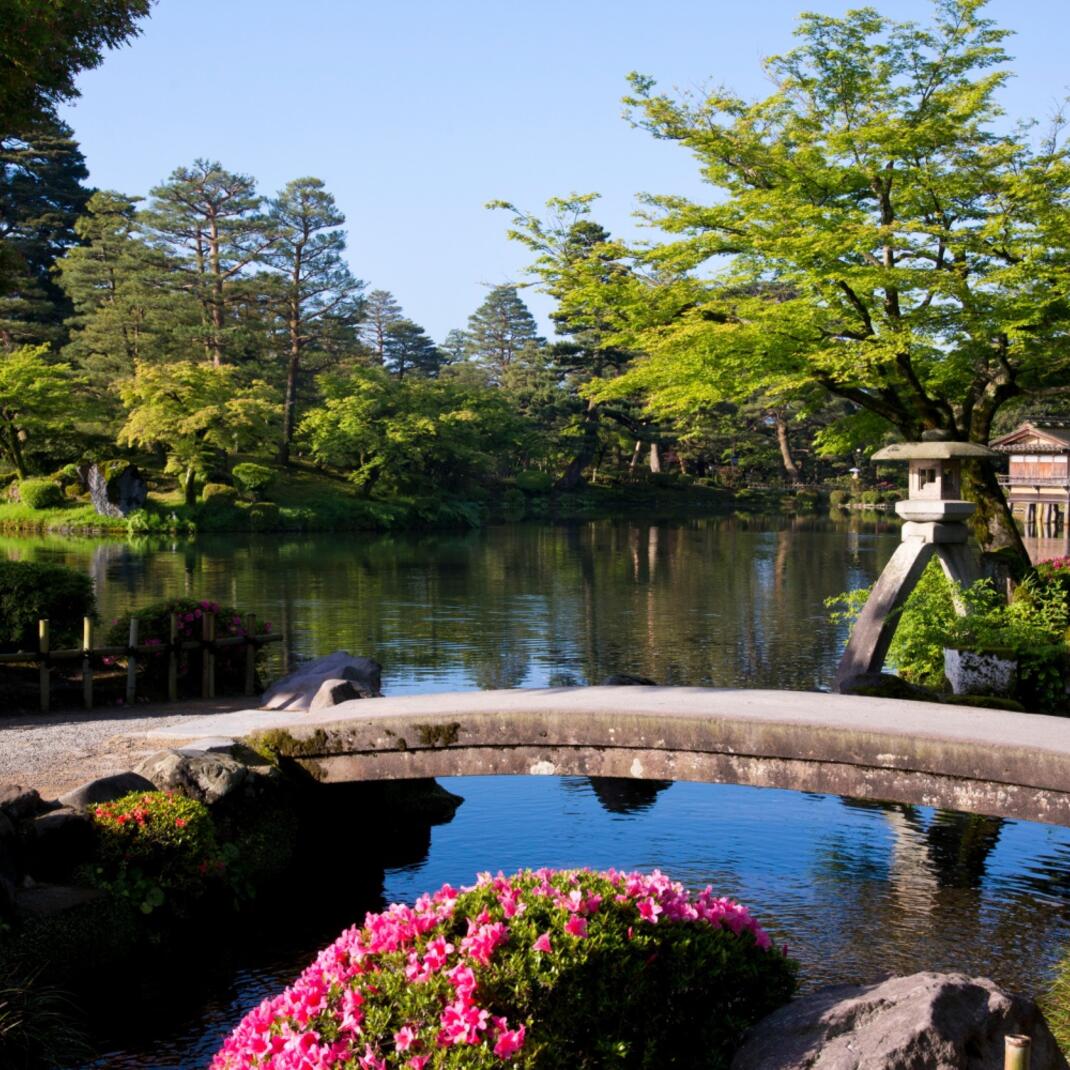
{"x": 1038, "y": 476}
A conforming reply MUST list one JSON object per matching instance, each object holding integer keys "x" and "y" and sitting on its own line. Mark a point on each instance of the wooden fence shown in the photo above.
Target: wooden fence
{"x": 45, "y": 658}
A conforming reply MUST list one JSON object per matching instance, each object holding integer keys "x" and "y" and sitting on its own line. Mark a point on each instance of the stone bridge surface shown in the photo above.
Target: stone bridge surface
{"x": 978, "y": 760}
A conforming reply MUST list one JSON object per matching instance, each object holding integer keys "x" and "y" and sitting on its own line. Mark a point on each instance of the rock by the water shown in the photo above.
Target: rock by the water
{"x": 18, "y": 803}
{"x": 624, "y": 679}
{"x": 116, "y": 489}
{"x": 205, "y": 776}
{"x": 106, "y": 789}
{"x": 297, "y": 691}
{"x": 331, "y": 692}
{"x": 928, "y": 1021}
{"x": 885, "y": 685}
{"x": 61, "y": 841}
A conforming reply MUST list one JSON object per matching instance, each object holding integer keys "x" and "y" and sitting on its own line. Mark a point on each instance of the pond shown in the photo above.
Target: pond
{"x": 856, "y": 889}
{"x": 724, "y": 601}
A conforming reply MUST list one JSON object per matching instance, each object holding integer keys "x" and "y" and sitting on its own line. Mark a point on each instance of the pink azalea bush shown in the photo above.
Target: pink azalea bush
{"x": 154, "y": 629}
{"x": 541, "y": 969}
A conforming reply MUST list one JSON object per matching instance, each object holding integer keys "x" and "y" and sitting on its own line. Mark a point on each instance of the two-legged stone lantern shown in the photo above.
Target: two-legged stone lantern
{"x": 935, "y": 523}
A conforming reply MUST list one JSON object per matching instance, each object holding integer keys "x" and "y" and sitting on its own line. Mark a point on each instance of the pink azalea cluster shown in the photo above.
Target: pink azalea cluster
{"x": 1057, "y": 562}
{"x": 351, "y": 1006}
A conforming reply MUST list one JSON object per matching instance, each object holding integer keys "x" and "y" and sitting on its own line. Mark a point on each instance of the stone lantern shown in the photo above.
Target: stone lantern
{"x": 934, "y": 516}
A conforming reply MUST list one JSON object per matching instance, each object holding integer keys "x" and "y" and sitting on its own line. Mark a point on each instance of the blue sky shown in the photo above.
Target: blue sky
{"x": 416, "y": 113}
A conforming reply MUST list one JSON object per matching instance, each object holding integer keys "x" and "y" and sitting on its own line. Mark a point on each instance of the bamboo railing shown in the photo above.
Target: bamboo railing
{"x": 134, "y": 652}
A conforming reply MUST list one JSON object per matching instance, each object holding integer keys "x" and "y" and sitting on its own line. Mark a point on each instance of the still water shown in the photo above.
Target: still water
{"x": 723, "y": 601}
{"x": 856, "y": 890}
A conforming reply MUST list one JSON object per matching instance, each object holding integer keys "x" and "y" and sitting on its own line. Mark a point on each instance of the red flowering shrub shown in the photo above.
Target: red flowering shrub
{"x": 154, "y": 629}
{"x": 154, "y": 847}
{"x": 550, "y": 969}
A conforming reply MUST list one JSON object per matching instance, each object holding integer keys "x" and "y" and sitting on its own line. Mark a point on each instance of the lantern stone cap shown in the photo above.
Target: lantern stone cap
{"x": 933, "y": 451}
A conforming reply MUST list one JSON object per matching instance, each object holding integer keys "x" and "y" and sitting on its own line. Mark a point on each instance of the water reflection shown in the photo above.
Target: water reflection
{"x": 858, "y": 890}
{"x": 726, "y": 601}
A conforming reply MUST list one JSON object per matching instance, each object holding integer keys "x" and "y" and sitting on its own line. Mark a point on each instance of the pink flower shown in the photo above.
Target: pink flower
{"x": 404, "y": 1038}
{"x": 649, "y": 909}
{"x": 543, "y": 944}
{"x": 509, "y": 1042}
{"x": 418, "y": 1062}
{"x": 576, "y": 925}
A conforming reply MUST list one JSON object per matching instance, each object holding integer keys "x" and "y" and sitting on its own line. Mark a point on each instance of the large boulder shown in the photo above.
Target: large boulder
{"x": 18, "y": 803}
{"x": 928, "y": 1021}
{"x": 105, "y": 789}
{"x": 59, "y": 842}
{"x": 207, "y": 776}
{"x": 298, "y": 690}
{"x": 116, "y": 488}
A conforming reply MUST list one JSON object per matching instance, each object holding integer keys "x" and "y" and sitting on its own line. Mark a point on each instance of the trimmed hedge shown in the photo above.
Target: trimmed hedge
{"x": 219, "y": 494}
{"x": 253, "y": 479}
{"x": 30, "y": 592}
{"x": 40, "y": 493}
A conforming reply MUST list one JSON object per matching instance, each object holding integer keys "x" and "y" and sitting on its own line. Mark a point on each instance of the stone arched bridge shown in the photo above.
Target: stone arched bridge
{"x": 978, "y": 760}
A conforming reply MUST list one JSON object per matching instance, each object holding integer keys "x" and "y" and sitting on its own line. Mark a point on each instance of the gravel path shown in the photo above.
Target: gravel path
{"x": 55, "y": 752}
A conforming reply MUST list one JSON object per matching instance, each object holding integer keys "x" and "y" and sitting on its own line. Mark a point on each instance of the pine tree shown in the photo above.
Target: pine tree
{"x": 42, "y": 193}
{"x": 126, "y": 308}
{"x": 409, "y": 349}
{"x": 499, "y": 330}
{"x": 454, "y": 347}
{"x": 316, "y": 287}
{"x": 381, "y": 311}
{"x": 210, "y": 220}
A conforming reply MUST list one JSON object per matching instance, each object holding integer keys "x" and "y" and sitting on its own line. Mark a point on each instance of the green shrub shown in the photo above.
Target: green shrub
{"x": 1031, "y": 628}
{"x": 40, "y": 493}
{"x": 253, "y": 480}
{"x": 264, "y": 516}
{"x": 547, "y": 970}
{"x": 219, "y": 495}
{"x": 514, "y": 504}
{"x": 870, "y": 497}
{"x": 68, "y": 475}
{"x": 155, "y": 848}
{"x": 535, "y": 482}
{"x": 1055, "y": 1003}
{"x": 30, "y": 592}
{"x": 838, "y": 499}
{"x": 154, "y": 629}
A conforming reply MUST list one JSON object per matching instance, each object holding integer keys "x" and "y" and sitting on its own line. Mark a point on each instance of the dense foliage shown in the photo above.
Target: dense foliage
{"x": 541, "y": 969}
{"x": 154, "y": 629}
{"x": 155, "y": 849}
{"x": 1033, "y": 627}
{"x": 30, "y": 592}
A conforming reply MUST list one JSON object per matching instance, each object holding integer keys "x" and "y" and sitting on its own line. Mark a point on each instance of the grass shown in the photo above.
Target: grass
{"x": 1055, "y": 1003}
{"x": 307, "y": 499}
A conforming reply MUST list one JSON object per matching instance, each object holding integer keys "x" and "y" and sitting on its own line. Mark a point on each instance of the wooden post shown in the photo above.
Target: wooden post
{"x": 172, "y": 660}
{"x": 208, "y": 656}
{"x": 250, "y": 653}
{"x": 131, "y": 664}
{"x": 87, "y": 663}
{"x": 1016, "y": 1052}
{"x": 43, "y": 669}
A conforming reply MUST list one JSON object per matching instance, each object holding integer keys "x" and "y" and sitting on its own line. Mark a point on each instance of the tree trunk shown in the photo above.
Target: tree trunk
{"x": 655, "y": 457}
{"x": 289, "y": 406}
{"x": 992, "y": 523}
{"x": 189, "y": 487}
{"x": 573, "y": 474}
{"x": 636, "y": 451}
{"x": 15, "y": 447}
{"x": 790, "y": 467}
